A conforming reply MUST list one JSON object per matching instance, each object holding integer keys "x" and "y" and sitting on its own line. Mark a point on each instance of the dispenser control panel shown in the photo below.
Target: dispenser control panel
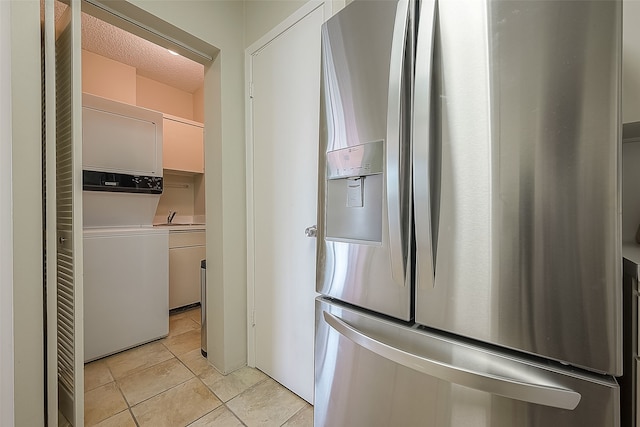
{"x": 358, "y": 160}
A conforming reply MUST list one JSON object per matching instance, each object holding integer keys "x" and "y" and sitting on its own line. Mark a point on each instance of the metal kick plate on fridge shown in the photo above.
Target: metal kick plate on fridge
{"x": 358, "y": 160}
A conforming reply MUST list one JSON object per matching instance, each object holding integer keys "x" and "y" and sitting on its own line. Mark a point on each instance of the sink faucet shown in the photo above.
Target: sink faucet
{"x": 171, "y": 215}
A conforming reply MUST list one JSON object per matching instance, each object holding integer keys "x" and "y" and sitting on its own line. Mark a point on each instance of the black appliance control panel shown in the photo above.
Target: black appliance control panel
{"x": 121, "y": 182}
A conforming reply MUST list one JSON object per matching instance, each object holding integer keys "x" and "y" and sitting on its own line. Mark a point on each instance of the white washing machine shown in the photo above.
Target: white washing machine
{"x": 126, "y": 293}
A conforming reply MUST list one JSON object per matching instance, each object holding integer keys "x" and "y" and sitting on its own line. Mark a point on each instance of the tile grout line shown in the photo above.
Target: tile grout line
{"x": 157, "y": 394}
{"x": 222, "y": 405}
{"x": 133, "y": 417}
{"x": 174, "y": 356}
{"x": 297, "y": 412}
{"x": 116, "y": 381}
{"x": 188, "y": 330}
{"x": 235, "y": 415}
{"x": 243, "y": 392}
{"x": 255, "y": 385}
{"x": 222, "y": 402}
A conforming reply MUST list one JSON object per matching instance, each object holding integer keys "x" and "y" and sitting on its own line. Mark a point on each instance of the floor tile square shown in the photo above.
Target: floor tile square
{"x": 183, "y": 343}
{"x": 180, "y": 315}
{"x": 221, "y": 417}
{"x": 195, "y": 361}
{"x": 268, "y": 403}
{"x": 136, "y": 359}
{"x": 102, "y": 402}
{"x": 123, "y": 419}
{"x": 179, "y": 325}
{"x": 154, "y": 380}
{"x": 226, "y": 387}
{"x": 177, "y": 406}
{"x": 303, "y": 418}
{"x": 96, "y": 374}
{"x": 195, "y": 315}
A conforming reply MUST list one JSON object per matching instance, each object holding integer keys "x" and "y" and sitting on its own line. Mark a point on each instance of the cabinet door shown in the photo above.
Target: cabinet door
{"x": 184, "y": 275}
{"x": 182, "y": 146}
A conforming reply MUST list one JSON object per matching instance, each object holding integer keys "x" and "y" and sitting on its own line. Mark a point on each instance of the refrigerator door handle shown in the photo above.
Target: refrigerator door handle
{"x": 394, "y": 122}
{"x": 512, "y": 388}
{"x": 421, "y": 143}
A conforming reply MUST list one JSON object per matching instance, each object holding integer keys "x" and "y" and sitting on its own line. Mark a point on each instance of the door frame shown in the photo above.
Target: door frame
{"x": 6, "y": 223}
{"x": 330, "y": 7}
{"x": 145, "y": 25}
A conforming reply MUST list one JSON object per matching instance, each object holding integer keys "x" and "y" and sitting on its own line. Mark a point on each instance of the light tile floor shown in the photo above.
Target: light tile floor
{"x": 169, "y": 383}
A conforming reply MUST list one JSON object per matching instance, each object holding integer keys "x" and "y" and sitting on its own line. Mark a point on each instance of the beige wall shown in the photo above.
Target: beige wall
{"x": 200, "y": 199}
{"x": 184, "y": 194}
{"x": 27, "y": 220}
{"x": 260, "y": 16}
{"x": 198, "y": 105}
{"x": 179, "y": 196}
{"x": 161, "y": 97}
{"x": 108, "y": 78}
{"x": 111, "y": 79}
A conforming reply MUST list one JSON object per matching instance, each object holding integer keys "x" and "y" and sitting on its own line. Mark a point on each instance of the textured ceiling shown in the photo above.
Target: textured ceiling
{"x": 150, "y": 60}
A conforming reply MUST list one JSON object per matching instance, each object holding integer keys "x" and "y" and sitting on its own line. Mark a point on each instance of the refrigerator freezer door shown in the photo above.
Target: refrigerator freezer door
{"x": 526, "y": 221}
{"x": 373, "y": 372}
{"x": 364, "y": 230}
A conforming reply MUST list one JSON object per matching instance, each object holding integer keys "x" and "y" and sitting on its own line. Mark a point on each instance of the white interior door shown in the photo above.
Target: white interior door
{"x": 285, "y": 100}
{"x": 63, "y": 107}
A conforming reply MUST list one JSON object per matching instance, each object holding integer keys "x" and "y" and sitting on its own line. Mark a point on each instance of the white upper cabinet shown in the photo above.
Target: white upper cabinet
{"x": 183, "y": 146}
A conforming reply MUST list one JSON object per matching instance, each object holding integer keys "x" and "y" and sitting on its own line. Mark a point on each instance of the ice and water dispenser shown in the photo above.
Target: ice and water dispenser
{"x": 355, "y": 183}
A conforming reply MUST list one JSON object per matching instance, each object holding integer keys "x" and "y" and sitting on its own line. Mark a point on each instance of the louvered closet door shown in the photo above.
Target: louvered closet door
{"x": 68, "y": 209}
{"x": 47, "y": 50}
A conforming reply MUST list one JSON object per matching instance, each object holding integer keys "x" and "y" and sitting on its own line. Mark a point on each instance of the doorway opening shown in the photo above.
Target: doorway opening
{"x": 123, "y": 68}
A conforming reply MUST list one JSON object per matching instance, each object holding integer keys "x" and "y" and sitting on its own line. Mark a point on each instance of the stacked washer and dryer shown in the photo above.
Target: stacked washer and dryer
{"x": 126, "y": 259}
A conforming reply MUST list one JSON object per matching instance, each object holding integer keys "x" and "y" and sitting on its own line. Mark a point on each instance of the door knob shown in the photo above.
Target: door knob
{"x": 311, "y": 231}
{"x": 64, "y": 239}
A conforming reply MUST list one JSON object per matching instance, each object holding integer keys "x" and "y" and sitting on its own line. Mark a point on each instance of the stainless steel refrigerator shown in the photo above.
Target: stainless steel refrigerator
{"x": 469, "y": 215}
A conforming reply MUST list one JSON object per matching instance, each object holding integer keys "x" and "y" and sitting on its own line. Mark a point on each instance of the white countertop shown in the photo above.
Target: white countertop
{"x": 631, "y": 254}
{"x": 182, "y": 227}
{"x": 631, "y": 251}
{"x": 122, "y": 230}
